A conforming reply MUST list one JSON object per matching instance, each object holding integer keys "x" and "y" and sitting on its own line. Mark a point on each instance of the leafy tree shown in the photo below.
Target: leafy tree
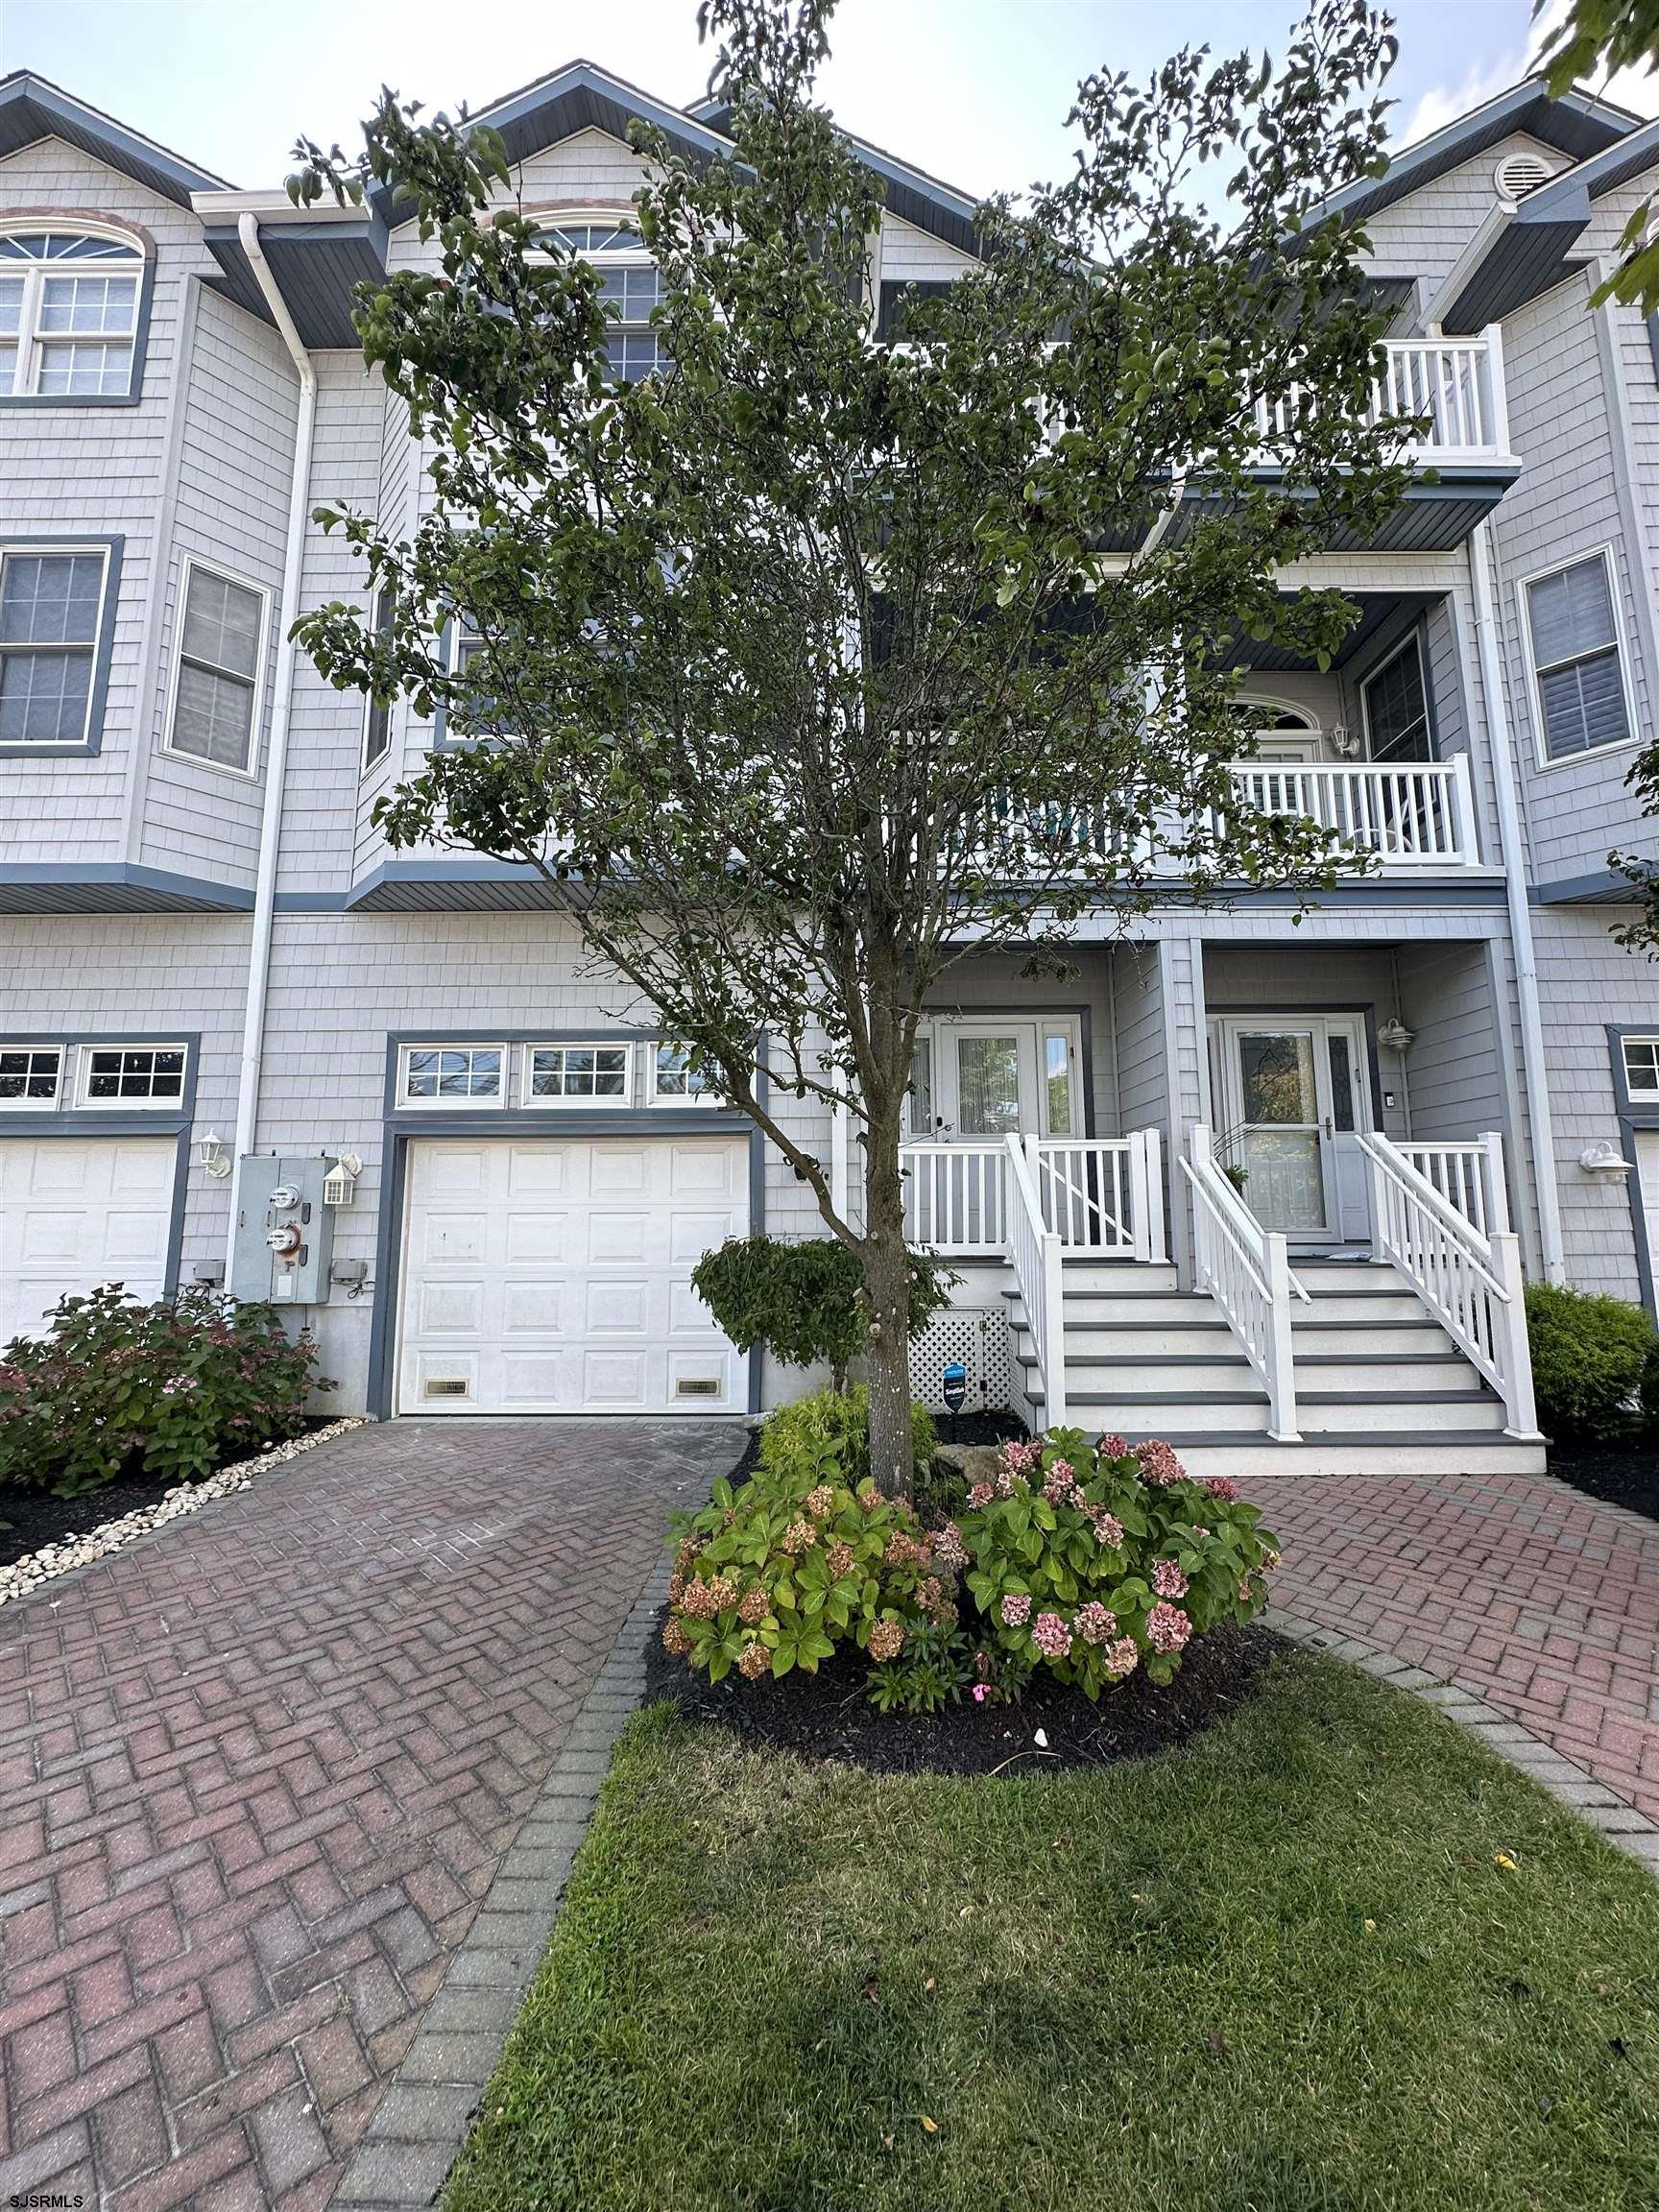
{"x": 806, "y": 1302}
{"x": 818, "y": 661}
{"x": 1602, "y": 36}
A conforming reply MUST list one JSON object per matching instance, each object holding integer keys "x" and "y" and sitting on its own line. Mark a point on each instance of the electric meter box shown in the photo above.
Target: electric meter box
{"x": 284, "y": 1232}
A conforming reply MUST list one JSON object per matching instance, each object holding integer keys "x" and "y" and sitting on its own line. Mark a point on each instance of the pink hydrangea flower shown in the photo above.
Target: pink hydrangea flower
{"x": 1221, "y": 1486}
{"x": 1158, "y": 1462}
{"x": 1123, "y": 1658}
{"x": 1051, "y": 1636}
{"x": 1096, "y": 1623}
{"x": 948, "y": 1549}
{"x": 1168, "y": 1580}
{"x": 980, "y": 1693}
{"x": 1109, "y": 1532}
{"x": 1112, "y": 1448}
{"x": 1016, "y": 1609}
{"x": 981, "y": 1493}
{"x": 1167, "y": 1628}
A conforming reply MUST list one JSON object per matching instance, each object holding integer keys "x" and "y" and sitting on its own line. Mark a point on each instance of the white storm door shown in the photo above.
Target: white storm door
{"x": 1296, "y": 1096}
{"x": 555, "y": 1277}
{"x": 79, "y": 1212}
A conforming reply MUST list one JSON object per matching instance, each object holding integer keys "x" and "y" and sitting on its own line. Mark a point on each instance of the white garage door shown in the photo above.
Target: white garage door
{"x": 77, "y": 1211}
{"x": 554, "y": 1276}
{"x": 1647, "y": 1168}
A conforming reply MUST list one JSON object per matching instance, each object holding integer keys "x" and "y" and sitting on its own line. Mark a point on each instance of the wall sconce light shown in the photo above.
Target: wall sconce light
{"x": 1603, "y": 1158}
{"x": 1345, "y": 740}
{"x": 213, "y": 1155}
{"x": 340, "y": 1184}
{"x": 1395, "y": 1037}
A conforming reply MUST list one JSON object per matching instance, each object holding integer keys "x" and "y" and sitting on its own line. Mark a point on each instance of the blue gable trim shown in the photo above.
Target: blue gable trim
{"x": 113, "y": 887}
{"x": 33, "y": 109}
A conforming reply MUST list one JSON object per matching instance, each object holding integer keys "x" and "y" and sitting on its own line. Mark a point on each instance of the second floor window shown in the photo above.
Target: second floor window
{"x": 378, "y": 722}
{"x": 51, "y": 610}
{"x": 69, "y": 315}
{"x": 1575, "y": 658}
{"x": 631, "y": 287}
{"x": 1396, "y": 708}
{"x": 217, "y": 687}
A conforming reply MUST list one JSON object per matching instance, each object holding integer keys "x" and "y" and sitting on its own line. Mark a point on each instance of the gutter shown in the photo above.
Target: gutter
{"x": 1534, "y": 1075}
{"x": 281, "y": 706}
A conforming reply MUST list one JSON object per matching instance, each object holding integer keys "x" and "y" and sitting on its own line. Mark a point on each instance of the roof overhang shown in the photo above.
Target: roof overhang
{"x": 113, "y": 887}
{"x": 33, "y": 109}
{"x": 1431, "y": 518}
{"x": 1379, "y": 612}
{"x": 317, "y": 254}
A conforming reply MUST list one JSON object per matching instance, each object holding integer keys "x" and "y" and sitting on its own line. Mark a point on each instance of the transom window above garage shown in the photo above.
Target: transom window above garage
{"x": 30, "y": 1075}
{"x": 455, "y": 1075}
{"x": 1642, "y": 1066}
{"x": 578, "y": 1075}
{"x": 127, "y": 1075}
{"x": 675, "y": 1082}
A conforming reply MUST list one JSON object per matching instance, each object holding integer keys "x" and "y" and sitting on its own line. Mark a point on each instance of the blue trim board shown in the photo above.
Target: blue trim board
{"x": 108, "y": 886}
{"x": 32, "y": 108}
{"x": 112, "y": 546}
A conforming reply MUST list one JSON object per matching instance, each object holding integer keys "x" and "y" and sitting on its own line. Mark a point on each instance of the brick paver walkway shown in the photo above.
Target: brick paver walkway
{"x": 1537, "y": 1598}
{"x": 256, "y": 1773}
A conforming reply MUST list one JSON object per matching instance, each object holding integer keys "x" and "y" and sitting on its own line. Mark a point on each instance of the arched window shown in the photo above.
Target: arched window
{"x": 631, "y": 287}
{"x": 1272, "y": 714}
{"x": 68, "y": 312}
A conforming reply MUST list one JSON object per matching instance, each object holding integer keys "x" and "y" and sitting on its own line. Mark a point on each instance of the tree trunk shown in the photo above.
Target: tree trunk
{"x": 888, "y": 1279}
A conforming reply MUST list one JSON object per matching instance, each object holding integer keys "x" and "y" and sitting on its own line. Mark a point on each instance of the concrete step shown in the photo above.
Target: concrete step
{"x": 1357, "y": 1452}
{"x": 1419, "y": 1411}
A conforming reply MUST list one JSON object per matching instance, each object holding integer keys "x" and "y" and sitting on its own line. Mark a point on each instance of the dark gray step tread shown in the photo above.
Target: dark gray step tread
{"x": 1160, "y": 1397}
{"x": 1078, "y": 1359}
{"x": 1339, "y": 1439}
{"x": 1448, "y": 1358}
{"x": 1397, "y": 1397}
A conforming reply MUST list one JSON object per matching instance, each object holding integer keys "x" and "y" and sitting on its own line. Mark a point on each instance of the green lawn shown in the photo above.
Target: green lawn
{"x": 1280, "y": 1969}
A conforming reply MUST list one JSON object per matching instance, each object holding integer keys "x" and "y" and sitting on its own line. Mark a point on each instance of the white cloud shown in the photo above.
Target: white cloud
{"x": 1444, "y": 104}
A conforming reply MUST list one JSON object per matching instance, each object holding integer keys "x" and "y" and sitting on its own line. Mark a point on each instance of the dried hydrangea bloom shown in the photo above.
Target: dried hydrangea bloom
{"x": 799, "y": 1536}
{"x": 724, "y": 1591}
{"x": 902, "y": 1550}
{"x": 676, "y": 1638}
{"x": 1109, "y": 1532}
{"x": 981, "y": 1494}
{"x": 1221, "y": 1486}
{"x": 1016, "y": 1609}
{"x": 1051, "y": 1636}
{"x": 1158, "y": 1462}
{"x": 1122, "y": 1659}
{"x": 948, "y": 1549}
{"x": 840, "y": 1558}
{"x": 820, "y": 1502}
{"x": 887, "y": 1640}
{"x": 699, "y": 1602}
{"x": 753, "y": 1661}
{"x": 1270, "y": 1560}
{"x": 752, "y": 1607}
{"x": 676, "y": 1585}
{"x": 931, "y": 1593}
{"x": 1167, "y": 1579}
{"x": 1167, "y": 1628}
{"x": 686, "y": 1557}
{"x": 1112, "y": 1448}
{"x": 1096, "y": 1623}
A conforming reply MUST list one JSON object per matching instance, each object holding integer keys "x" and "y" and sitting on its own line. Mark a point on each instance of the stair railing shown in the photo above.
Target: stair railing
{"x": 1473, "y": 1285}
{"x": 1034, "y": 1253}
{"x": 1246, "y": 1269}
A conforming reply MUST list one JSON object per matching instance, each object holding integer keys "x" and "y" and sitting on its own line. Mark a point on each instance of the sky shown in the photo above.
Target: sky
{"x": 975, "y": 91}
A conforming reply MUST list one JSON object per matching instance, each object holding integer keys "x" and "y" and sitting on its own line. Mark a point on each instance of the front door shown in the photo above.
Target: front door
{"x": 1291, "y": 1099}
{"x": 978, "y": 1082}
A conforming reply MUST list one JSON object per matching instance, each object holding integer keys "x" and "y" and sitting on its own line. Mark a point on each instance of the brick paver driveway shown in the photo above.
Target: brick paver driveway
{"x": 256, "y": 1773}
{"x": 1537, "y": 1598}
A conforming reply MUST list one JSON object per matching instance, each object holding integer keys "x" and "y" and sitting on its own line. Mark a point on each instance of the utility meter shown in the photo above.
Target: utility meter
{"x": 284, "y": 1232}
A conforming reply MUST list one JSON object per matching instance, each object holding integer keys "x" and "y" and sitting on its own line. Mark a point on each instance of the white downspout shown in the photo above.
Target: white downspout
{"x": 276, "y": 756}
{"x": 1534, "y": 1075}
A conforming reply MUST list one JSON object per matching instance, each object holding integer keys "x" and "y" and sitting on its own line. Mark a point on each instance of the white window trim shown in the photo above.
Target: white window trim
{"x": 1604, "y": 553}
{"x": 36, "y": 1105}
{"x": 28, "y": 548}
{"x": 471, "y": 1103}
{"x": 1412, "y": 642}
{"x": 166, "y": 1105}
{"x": 1635, "y": 1091}
{"x": 535, "y": 1103}
{"x": 936, "y": 1031}
{"x": 692, "y": 1098}
{"x": 255, "y": 724}
{"x": 131, "y": 261}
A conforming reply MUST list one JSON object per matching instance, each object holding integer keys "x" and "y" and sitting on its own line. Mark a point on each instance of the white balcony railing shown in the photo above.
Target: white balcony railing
{"x": 1456, "y": 385}
{"x": 1100, "y": 1195}
{"x": 1404, "y": 814}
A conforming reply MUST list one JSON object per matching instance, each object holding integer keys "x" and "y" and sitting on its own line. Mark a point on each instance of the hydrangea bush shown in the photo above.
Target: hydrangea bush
{"x": 170, "y": 1389}
{"x": 1094, "y": 1559}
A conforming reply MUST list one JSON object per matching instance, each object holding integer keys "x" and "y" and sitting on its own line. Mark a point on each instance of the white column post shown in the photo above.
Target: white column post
{"x": 1464, "y": 831}
{"x": 1055, "y": 1412}
{"x": 1497, "y": 1188}
{"x": 1498, "y": 397}
{"x": 838, "y": 1148}
{"x": 1518, "y": 1400}
{"x": 1280, "y": 1362}
{"x": 1157, "y": 1242}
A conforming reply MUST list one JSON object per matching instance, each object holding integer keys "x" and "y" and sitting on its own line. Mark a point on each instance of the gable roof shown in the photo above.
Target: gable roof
{"x": 31, "y": 107}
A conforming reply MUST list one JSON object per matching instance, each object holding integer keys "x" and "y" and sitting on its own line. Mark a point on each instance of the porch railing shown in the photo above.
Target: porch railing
{"x": 1102, "y": 1196}
{"x": 1456, "y": 385}
{"x": 956, "y": 1197}
{"x": 1469, "y": 1177}
{"x": 1470, "y": 1279}
{"x": 1246, "y": 1269}
{"x": 1411, "y": 815}
{"x": 1034, "y": 1252}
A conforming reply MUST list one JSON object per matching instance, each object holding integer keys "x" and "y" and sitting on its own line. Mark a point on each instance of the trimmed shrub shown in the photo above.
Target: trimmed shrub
{"x": 1588, "y": 1359}
{"x": 170, "y": 1390}
{"x": 1094, "y": 1559}
{"x": 805, "y": 1300}
{"x": 829, "y": 1433}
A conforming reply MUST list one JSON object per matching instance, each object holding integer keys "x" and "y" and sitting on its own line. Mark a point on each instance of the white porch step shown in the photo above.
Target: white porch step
{"x": 1314, "y": 1336}
{"x": 1368, "y": 1309}
{"x": 1365, "y": 1372}
{"x": 1381, "y": 1409}
{"x": 1320, "y": 1274}
{"x": 1170, "y": 1309}
{"x": 1183, "y": 1373}
{"x": 1135, "y": 1413}
{"x": 1355, "y": 1451}
{"x": 1137, "y": 1341}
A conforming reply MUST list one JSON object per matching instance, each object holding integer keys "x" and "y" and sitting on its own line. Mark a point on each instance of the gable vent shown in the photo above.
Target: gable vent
{"x": 1519, "y": 173}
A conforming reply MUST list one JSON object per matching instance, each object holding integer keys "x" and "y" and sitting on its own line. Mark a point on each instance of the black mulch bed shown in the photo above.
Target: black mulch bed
{"x": 31, "y": 1519}
{"x": 828, "y": 1715}
{"x": 985, "y": 1427}
{"x": 1623, "y": 1471}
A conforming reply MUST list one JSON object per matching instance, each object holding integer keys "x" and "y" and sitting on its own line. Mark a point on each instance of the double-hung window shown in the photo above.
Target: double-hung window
{"x": 1396, "y": 707}
{"x": 1577, "y": 665}
{"x": 216, "y": 686}
{"x": 68, "y": 313}
{"x": 51, "y": 643}
{"x": 630, "y": 287}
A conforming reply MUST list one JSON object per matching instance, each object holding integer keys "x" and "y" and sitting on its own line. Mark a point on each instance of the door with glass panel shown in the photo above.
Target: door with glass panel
{"x": 977, "y": 1083}
{"x": 1292, "y": 1099}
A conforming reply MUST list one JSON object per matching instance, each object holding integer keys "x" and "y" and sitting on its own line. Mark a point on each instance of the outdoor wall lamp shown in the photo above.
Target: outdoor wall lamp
{"x": 1603, "y": 1158}
{"x": 1394, "y": 1035}
{"x": 213, "y": 1154}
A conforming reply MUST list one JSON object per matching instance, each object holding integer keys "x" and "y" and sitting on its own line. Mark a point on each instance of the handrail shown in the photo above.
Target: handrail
{"x": 1248, "y": 1276}
{"x": 1473, "y": 1285}
{"x": 1404, "y": 813}
{"x": 1034, "y": 1253}
{"x": 1468, "y": 1175}
{"x": 1245, "y": 1224}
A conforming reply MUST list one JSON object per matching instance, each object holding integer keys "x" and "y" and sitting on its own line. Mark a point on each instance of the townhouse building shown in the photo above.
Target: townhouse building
{"x": 1262, "y": 1182}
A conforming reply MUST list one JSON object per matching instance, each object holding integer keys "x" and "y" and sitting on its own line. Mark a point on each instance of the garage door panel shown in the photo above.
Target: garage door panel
{"x": 79, "y": 1212}
{"x": 143, "y": 1176}
{"x": 454, "y": 1171}
{"x": 570, "y": 1290}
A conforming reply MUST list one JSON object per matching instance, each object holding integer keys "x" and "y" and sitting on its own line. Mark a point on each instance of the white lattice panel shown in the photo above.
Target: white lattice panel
{"x": 978, "y": 1336}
